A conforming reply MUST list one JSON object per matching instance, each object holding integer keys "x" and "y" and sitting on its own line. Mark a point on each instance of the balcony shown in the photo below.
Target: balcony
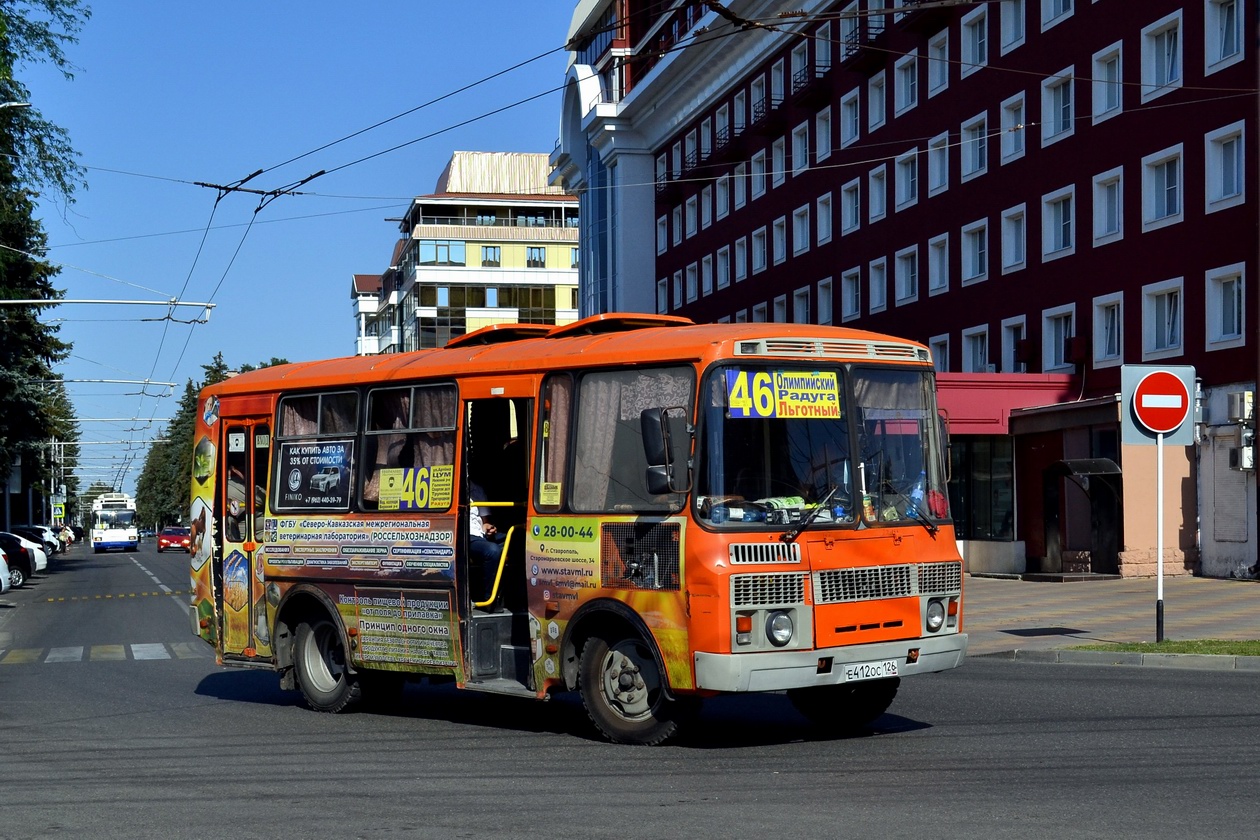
{"x": 915, "y": 17}
{"x": 768, "y": 116}
{"x": 811, "y": 84}
{"x": 854, "y": 52}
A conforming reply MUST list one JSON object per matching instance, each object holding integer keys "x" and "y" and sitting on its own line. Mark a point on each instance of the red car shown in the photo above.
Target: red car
{"x": 177, "y": 538}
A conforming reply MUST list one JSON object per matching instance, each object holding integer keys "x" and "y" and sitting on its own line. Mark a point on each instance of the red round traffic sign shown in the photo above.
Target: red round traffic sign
{"x": 1161, "y": 401}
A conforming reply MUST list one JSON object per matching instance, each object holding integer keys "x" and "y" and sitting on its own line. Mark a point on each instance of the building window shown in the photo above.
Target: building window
{"x": 776, "y": 84}
{"x": 939, "y": 345}
{"x": 758, "y": 174}
{"x": 741, "y": 185}
{"x": 1057, "y": 328}
{"x": 780, "y": 309}
{"x": 1162, "y": 203}
{"x": 722, "y": 126}
{"x": 938, "y": 164}
{"x": 822, "y": 134}
{"x": 877, "y": 283}
{"x": 778, "y": 230}
{"x": 907, "y": 275}
{"x": 1014, "y": 239}
{"x": 1013, "y": 330}
{"x": 1108, "y": 330}
{"x": 975, "y": 252}
{"x": 1056, "y": 107}
{"x": 822, "y": 48}
{"x": 706, "y": 138}
{"x": 1108, "y": 82}
{"x": 723, "y": 267}
{"x": 1013, "y": 128}
{"x": 1223, "y": 157}
{"x": 759, "y": 250}
{"x": 908, "y": 179}
{"x": 691, "y": 216}
{"x": 778, "y": 162}
{"x": 850, "y": 207}
{"x": 975, "y": 350}
{"x": 1161, "y": 56}
{"x": 662, "y": 235}
{"x": 573, "y": 258}
{"x": 441, "y": 252}
{"x": 690, "y": 158}
{"x": 1058, "y": 224}
{"x": 824, "y": 301}
{"x": 1013, "y": 17}
{"x": 824, "y": 218}
{"x": 800, "y": 306}
{"x": 800, "y": 230}
{"x": 851, "y": 295}
{"x": 938, "y": 264}
{"x": 741, "y": 259}
{"x": 676, "y": 158}
{"x": 535, "y": 257}
{"x": 706, "y": 275}
{"x": 492, "y": 255}
{"x": 662, "y": 296}
{"x": 906, "y": 78}
{"x": 722, "y": 196}
{"x": 740, "y": 112}
{"x": 706, "y": 207}
{"x": 1054, "y": 12}
{"x": 975, "y": 147}
{"x": 975, "y": 41}
{"x": 1222, "y": 34}
{"x": 693, "y": 282}
{"x": 876, "y": 102}
{"x": 1161, "y": 319}
{"x": 938, "y": 63}
{"x": 676, "y": 223}
{"x": 877, "y": 194}
{"x": 800, "y": 148}
{"x": 1226, "y": 316}
{"x": 850, "y": 118}
{"x": 1109, "y": 206}
{"x": 678, "y": 290}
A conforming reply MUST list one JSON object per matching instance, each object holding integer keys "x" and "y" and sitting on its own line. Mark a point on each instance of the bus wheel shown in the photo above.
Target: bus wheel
{"x": 847, "y": 707}
{"x": 322, "y": 674}
{"x": 621, "y": 689}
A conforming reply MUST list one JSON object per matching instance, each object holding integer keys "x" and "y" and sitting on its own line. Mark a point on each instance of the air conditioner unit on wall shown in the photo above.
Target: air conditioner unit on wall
{"x": 1241, "y": 406}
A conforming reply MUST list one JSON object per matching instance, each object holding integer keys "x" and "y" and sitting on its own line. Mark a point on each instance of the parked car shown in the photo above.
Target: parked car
{"x": 179, "y": 539}
{"x": 21, "y": 562}
{"x": 4, "y": 573}
{"x": 41, "y": 535}
{"x": 39, "y": 556}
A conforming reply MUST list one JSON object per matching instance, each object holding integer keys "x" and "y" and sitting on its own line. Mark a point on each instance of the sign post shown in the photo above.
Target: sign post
{"x": 1159, "y": 400}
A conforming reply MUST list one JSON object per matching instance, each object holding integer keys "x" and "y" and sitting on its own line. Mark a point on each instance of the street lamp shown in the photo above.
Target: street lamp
{"x": 14, "y": 105}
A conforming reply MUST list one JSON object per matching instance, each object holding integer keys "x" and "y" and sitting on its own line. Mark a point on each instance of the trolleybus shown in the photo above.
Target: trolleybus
{"x": 114, "y": 523}
{"x": 689, "y": 510}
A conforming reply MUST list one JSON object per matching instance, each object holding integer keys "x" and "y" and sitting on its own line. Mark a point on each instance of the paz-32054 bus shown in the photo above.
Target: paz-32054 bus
{"x": 688, "y": 510}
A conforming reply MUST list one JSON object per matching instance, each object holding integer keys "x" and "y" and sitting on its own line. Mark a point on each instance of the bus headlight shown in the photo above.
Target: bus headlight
{"x": 935, "y": 615}
{"x": 779, "y": 628}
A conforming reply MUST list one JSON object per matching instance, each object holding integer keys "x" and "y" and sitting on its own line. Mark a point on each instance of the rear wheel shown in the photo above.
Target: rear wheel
{"x": 322, "y": 673}
{"x": 623, "y": 692}
{"x": 17, "y": 576}
{"x": 848, "y": 707}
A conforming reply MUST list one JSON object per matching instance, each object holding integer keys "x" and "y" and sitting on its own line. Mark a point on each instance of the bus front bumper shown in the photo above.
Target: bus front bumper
{"x": 784, "y": 669}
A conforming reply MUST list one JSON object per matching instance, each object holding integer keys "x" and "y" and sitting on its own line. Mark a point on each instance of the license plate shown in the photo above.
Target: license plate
{"x": 870, "y": 670}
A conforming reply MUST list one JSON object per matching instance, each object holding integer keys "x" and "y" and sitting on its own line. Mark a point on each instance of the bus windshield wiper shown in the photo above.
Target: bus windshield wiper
{"x": 808, "y": 519}
{"x": 931, "y": 527}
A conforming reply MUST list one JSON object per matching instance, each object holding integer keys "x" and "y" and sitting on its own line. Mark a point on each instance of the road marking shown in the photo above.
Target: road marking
{"x": 111, "y": 596}
{"x": 108, "y": 652}
{"x": 190, "y": 650}
{"x": 64, "y": 654}
{"x": 22, "y": 656}
{"x": 150, "y": 651}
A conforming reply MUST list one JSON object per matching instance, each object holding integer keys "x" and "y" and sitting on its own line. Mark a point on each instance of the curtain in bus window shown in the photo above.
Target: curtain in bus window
{"x": 298, "y": 416}
{"x": 337, "y": 413}
{"x": 435, "y": 411}
{"x": 557, "y": 400}
{"x": 388, "y": 410}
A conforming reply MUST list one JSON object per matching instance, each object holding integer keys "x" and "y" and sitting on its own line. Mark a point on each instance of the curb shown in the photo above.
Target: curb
{"x": 1193, "y": 661}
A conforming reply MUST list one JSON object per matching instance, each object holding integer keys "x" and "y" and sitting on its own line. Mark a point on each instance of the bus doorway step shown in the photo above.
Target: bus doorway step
{"x": 511, "y": 688}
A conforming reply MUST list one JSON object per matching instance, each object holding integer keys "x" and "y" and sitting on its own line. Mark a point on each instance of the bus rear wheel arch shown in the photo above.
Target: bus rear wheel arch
{"x": 624, "y": 691}
{"x": 322, "y": 666}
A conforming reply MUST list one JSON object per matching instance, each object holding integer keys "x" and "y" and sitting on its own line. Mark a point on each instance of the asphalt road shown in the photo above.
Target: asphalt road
{"x": 115, "y": 722}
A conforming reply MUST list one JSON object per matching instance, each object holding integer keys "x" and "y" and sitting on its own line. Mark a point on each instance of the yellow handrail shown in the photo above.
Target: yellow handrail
{"x": 498, "y": 574}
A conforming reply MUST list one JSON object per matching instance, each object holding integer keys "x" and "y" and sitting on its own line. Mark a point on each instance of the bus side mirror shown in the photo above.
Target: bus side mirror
{"x": 659, "y": 451}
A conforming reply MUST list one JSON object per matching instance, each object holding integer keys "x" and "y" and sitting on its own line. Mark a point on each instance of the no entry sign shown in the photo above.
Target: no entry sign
{"x": 1161, "y": 402}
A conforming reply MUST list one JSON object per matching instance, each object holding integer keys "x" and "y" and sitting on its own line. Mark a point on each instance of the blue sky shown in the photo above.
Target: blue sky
{"x": 169, "y": 94}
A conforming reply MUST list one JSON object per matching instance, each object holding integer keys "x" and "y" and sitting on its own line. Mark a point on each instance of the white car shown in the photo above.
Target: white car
{"x": 38, "y": 554}
{"x": 4, "y": 573}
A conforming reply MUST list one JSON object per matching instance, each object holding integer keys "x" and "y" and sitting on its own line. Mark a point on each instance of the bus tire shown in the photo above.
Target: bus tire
{"x": 847, "y": 707}
{"x": 623, "y": 692}
{"x": 322, "y": 672}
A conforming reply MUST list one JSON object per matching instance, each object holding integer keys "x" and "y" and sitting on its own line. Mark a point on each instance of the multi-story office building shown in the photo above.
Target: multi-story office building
{"x": 1042, "y": 191}
{"x": 493, "y": 244}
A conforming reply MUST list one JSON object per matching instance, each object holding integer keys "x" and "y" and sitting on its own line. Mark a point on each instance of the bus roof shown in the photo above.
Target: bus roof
{"x": 598, "y": 341}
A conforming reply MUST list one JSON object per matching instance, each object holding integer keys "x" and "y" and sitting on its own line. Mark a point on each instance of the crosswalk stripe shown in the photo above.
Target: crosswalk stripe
{"x": 150, "y": 651}
{"x": 190, "y": 650}
{"x": 108, "y": 653}
{"x": 21, "y": 656}
{"x": 64, "y": 654}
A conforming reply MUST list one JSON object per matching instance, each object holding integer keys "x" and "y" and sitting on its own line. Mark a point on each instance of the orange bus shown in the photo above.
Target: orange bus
{"x": 683, "y": 510}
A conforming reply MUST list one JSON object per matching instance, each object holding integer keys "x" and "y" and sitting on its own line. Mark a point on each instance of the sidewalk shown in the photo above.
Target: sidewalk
{"x": 1032, "y": 620}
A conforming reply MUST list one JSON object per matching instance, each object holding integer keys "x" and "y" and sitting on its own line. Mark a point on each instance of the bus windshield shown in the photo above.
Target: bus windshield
{"x": 113, "y": 519}
{"x": 840, "y": 447}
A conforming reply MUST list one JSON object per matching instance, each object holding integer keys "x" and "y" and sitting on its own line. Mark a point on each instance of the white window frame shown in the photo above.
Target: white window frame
{"x": 824, "y": 219}
{"x": 850, "y": 118}
{"x": 676, "y": 224}
{"x": 876, "y": 101}
{"x": 938, "y": 265}
{"x": 800, "y": 148}
{"x": 760, "y": 253}
{"x": 662, "y": 296}
{"x": 800, "y": 230}
{"x": 800, "y": 306}
{"x": 778, "y": 239}
{"x": 1103, "y": 87}
{"x": 851, "y": 207}
{"x": 757, "y": 174}
{"x": 851, "y": 295}
{"x": 706, "y": 207}
{"x": 1154, "y": 84}
{"x": 780, "y": 309}
{"x": 972, "y": 337}
{"x": 722, "y": 267}
{"x": 1014, "y": 27}
{"x": 974, "y": 147}
{"x": 938, "y": 164}
{"x": 706, "y": 138}
{"x": 1014, "y": 232}
{"x": 977, "y": 252}
{"x": 826, "y": 305}
{"x": 741, "y": 259}
{"x": 1054, "y": 358}
{"x": 939, "y": 347}
{"x": 877, "y": 284}
{"x": 692, "y": 216}
{"x": 1214, "y": 279}
{"x": 904, "y": 278}
{"x": 877, "y": 194}
{"x": 1103, "y": 304}
{"x": 973, "y": 41}
{"x": 678, "y": 289}
{"x": 1214, "y": 156}
{"x": 1155, "y": 188}
{"x": 1011, "y": 328}
{"x": 1051, "y": 228}
{"x": 1014, "y": 127}
{"x": 739, "y": 113}
{"x": 906, "y": 83}
{"x": 822, "y": 134}
{"x": 759, "y": 313}
{"x": 1154, "y": 322}
{"x": 741, "y": 185}
{"x": 662, "y": 234}
{"x": 778, "y": 162}
{"x": 1054, "y": 12}
{"x": 1103, "y": 181}
{"x": 937, "y": 58}
{"x": 1053, "y": 111}
{"x": 907, "y": 178}
{"x": 1216, "y": 53}
{"x": 706, "y": 275}
{"x": 722, "y": 197}
{"x": 693, "y": 282}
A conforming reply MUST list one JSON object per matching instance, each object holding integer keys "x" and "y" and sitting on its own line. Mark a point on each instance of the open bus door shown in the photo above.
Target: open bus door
{"x": 239, "y": 515}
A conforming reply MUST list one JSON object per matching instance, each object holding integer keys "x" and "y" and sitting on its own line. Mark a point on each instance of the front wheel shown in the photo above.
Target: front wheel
{"x": 623, "y": 692}
{"x": 847, "y": 707}
{"x": 17, "y": 577}
{"x": 322, "y": 672}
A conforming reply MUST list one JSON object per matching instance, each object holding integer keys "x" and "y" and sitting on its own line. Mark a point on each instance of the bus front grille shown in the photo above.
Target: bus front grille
{"x": 776, "y": 552}
{"x": 839, "y": 586}
{"x": 940, "y": 578}
{"x": 768, "y": 590}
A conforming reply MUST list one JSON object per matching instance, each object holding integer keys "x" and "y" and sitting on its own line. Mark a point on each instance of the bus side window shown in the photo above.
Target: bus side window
{"x": 553, "y": 442}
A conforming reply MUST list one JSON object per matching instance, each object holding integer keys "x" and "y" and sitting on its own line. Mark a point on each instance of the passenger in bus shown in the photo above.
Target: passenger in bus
{"x": 485, "y": 543}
